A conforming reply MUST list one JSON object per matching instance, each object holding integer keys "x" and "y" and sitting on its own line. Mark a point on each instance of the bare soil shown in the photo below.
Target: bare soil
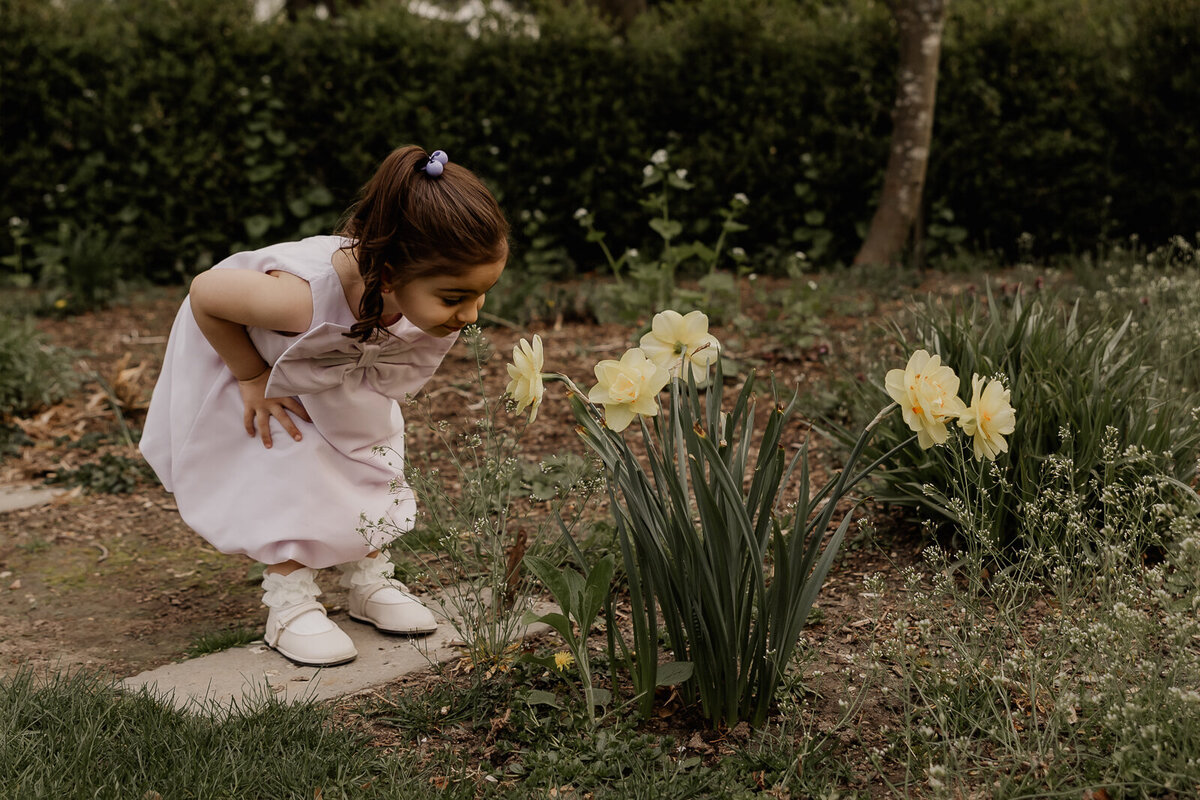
{"x": 119, "y": 584}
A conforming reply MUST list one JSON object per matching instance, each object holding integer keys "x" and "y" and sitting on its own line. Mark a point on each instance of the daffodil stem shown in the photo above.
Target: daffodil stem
{"x": 883, "y": 412}
{"x": 558, "y": 376}
{"x": 571, "y": 387}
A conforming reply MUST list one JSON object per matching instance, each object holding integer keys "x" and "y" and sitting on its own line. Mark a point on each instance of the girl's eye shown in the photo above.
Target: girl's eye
{"x": 451, "y": 301}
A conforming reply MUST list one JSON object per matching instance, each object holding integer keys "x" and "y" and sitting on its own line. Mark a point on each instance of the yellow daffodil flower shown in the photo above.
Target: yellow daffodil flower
{"x": 526, "y": 372}
{"x": 927, "y": 392}
{"x": 627, "y": 388}
{"x": 675, "y": 337}
{"x": 989, "y": 418}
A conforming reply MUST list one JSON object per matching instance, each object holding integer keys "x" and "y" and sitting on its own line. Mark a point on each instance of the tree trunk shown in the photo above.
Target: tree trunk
{"x": 921, "y": 23}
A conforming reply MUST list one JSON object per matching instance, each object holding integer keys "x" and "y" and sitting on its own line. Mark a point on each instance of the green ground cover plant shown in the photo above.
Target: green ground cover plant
{"x": 1157, "y": 287}
{"x": 1068, "y": 671}
{"x": 33, "y": 372}
{"x": 111, "y": 473}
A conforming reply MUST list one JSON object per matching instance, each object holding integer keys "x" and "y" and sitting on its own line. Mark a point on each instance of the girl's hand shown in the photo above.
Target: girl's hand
{"x": 260, "y": 409}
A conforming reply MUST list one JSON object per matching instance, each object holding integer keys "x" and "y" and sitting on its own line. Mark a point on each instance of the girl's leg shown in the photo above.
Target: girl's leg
{"x": 286, "y": 568}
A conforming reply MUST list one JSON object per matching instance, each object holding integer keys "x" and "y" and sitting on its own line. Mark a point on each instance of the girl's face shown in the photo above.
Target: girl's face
{"x": 443, "y": 304}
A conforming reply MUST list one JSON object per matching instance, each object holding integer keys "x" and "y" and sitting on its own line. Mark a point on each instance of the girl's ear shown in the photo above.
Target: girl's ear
{"x": 387, "y": 279}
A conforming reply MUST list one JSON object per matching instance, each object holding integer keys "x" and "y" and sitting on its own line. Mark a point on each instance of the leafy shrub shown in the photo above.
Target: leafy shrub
{"x": 112, "y": 473}
{"x": 1096, "y": 394}
{"x": 184, "y": 129}
{"x": 33, "y": 373}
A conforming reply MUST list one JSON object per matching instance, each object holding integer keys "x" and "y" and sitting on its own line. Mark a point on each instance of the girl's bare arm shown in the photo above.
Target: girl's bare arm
{"x": 226, "y": 301}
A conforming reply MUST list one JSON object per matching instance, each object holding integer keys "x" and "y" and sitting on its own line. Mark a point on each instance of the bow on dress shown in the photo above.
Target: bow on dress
{"x": 321, "y": 359}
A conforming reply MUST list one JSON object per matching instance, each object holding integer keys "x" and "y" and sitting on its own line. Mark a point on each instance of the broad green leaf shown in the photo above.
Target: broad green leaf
{"x": 257, "y": 226}
{"x": 674, "y": 673}
{"x": 549, "y": 574}
{"x": 667, "y": 229}
{"x": 677, "y": 182}
{"x": 596, "y": 589}
{"x": 703, "y": 251}
{"x": 319, "y": 196}
{"x": 261, "y": 173}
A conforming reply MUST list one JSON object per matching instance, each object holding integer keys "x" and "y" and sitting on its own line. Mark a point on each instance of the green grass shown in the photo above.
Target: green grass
{"x": 1036, "y": 688}
{"x": 217, "y": 641}
{"x": 75, "y": 735}
{"x": 517, "y": 748}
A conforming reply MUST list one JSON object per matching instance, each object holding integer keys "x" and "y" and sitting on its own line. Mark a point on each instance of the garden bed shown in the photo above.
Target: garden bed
{"x": 117, "y": 582}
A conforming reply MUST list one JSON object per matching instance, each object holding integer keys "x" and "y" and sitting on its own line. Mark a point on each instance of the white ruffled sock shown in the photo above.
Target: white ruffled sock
{"x": 368, "y": 572}
{"x": 296, "y": 587}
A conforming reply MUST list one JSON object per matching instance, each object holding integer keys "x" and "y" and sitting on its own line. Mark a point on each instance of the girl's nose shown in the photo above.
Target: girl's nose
{"x": 469, "y": 313}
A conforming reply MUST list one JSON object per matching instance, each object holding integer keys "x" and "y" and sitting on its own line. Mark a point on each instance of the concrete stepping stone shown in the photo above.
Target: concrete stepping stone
{"x": 14, "y": 498}
{"x": 242, "y": 678}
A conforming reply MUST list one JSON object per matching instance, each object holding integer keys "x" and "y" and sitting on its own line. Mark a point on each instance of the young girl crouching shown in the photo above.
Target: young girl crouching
{"x": 281, "y": 379}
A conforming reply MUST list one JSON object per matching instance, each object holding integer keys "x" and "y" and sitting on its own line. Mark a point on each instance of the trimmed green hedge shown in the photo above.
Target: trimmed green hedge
{"x": 181, "y": 129}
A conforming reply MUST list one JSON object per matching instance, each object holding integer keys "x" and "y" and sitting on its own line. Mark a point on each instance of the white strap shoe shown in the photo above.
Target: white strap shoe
{"x": 377, "y": 598}
{"x": 297, "y": 626}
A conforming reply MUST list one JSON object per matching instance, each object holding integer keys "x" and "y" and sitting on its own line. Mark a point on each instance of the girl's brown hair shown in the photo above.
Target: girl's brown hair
{"x": 408, "y": 224}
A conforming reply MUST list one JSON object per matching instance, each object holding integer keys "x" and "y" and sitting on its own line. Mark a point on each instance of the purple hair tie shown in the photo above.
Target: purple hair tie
{"x": 436, "y": 163}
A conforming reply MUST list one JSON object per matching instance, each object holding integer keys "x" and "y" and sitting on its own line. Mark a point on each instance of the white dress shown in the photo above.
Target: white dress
{"x": 318, "y": 501}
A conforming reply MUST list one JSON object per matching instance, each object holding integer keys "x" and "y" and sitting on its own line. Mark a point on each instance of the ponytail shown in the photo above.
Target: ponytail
{"x": 370, "y": 309}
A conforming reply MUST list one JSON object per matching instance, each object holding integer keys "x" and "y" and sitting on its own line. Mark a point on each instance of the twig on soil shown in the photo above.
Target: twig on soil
{"x": 112, "y": 401}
